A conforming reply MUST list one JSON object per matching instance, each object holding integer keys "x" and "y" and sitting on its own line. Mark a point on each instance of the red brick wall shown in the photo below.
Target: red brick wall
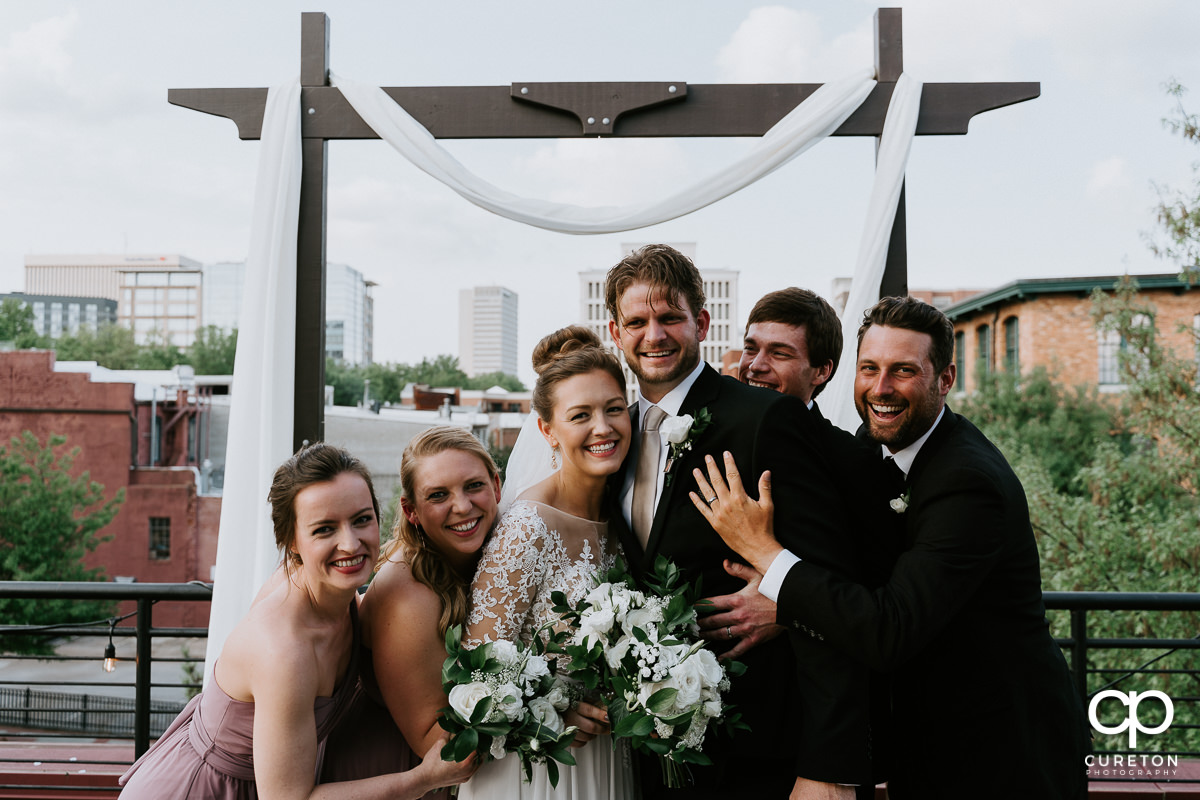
{"x": 1057, "y": 332}
{"x": 99, "y": 419}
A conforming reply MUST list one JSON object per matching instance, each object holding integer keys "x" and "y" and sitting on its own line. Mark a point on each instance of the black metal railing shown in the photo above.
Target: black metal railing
{"x": 43, "y": 707}
{"x": 1159, "y": 658}
{"x": 87, "y": 715}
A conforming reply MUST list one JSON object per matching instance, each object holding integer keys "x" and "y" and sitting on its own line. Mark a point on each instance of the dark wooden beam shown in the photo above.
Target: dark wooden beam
{"x": 309, "y": 404}
{"x": 491, "y": 112}
{"x": 889, "y": 66}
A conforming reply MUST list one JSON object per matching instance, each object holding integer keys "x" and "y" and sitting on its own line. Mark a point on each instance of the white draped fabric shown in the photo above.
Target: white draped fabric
{"x": 260, "y": 431}
{"x": 899, "y": 127}
{"x": 260, "y": 420}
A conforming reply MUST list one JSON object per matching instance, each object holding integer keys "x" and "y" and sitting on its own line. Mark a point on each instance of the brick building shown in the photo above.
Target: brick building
{"x": 1047, "y": 322}
{"x": 141, "y": 437}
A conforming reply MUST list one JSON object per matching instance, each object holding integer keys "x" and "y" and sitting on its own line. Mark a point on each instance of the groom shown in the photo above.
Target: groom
{"x": 809, "y": 714}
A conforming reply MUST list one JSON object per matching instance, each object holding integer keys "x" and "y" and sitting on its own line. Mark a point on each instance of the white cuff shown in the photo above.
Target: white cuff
{"x": 772, "y": 582}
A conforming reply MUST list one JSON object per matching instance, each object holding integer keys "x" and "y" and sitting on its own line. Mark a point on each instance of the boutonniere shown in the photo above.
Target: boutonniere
{"x": 680, "y": 433}
{"x": 899, "y": 504}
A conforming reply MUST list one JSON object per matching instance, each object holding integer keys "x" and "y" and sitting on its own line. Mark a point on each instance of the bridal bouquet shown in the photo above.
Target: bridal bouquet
{"x": 505, "y": 698}
{"x": 642, "y": 651}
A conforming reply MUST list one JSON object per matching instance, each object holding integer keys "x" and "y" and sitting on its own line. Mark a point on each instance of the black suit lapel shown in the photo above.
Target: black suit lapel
{"x": 703, "y": 392}
{"x": 932, "y": 444}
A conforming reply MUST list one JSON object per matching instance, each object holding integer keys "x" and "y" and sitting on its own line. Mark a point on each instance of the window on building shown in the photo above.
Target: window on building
{"x": 160, "y": 538}
{"x": 983, "y": 351}
{"x": 960, "y": 358}
{"x": 1012, "y": 346}
{"x": 1111, "y": 345}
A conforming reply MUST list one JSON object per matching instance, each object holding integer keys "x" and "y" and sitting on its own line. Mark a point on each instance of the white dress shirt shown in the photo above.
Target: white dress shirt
{"x": 670, "y": 403}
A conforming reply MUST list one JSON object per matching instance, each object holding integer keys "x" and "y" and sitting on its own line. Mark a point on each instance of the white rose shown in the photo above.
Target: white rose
{"x": 598, "y": 597}
{"x": 508, "y": 700}
{"x": 675, "y": 429}
{"x": 505, "y": 652}
{"x": 710, "y": 669}
{"x": 465, "y": 696}
{"x": 899, "y": 504}
{"x": 671, "y": 654}
{"x": 535, "y": 667}
{"x": 497, "y": 750}
{"x": 544, "y": 712}
{"x": 712, "y": 708}
{"x": 596, "y": 624}
{"x": 687, "y": 679}
{"x": 642, "y": 618}
{"x": 559, "y": 697}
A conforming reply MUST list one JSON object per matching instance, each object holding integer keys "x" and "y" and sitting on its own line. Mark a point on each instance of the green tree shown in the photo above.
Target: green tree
{"x": 16, "y": 324}
{"x": 489, "y": 379}
{"x": 213, "y": 351}
{"x": 49, "y": 520}
{"x": 158, "y": 353}
{"x": 1178, "y": 210}
{"x": 109, "y": 345}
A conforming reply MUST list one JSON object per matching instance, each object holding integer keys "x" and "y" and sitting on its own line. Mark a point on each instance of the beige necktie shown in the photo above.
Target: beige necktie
{"x": 645, "y": 480}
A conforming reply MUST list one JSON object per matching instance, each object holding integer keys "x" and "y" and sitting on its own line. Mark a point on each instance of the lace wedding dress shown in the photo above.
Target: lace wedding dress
{"x": 534, "y": 551}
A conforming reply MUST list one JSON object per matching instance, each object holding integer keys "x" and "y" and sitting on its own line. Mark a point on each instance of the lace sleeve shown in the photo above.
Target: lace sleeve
{"x": 510, "y": 570}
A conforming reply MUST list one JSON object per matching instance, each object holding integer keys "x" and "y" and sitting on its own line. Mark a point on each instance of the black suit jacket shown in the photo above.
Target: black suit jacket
{"x": 982, "y": 696}
{"x": 810, "y": 713}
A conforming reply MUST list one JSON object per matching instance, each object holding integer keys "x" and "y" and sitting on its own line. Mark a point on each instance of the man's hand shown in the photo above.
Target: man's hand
{"x": 746, "y": 616}
{"x": 816, "y": 790}
{"x": 746, "y": 525}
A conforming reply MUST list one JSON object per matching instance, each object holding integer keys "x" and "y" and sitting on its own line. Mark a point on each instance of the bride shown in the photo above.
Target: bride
{"x": 553, "y": 538}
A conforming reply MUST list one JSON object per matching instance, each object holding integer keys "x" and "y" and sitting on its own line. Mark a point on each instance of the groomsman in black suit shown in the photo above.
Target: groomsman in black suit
{"x": 984, "y": 704}
{"x": 809, "y": 717}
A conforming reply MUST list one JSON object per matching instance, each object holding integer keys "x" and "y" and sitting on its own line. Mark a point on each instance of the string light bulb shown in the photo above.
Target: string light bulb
{"x": 110, "y": 652}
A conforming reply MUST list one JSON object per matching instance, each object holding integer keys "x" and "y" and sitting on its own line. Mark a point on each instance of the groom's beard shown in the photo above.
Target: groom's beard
{"x": 685, "y": 361}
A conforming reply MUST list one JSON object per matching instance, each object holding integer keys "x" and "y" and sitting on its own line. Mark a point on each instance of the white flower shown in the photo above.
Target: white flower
{"x": 712, "y": 708}
{"x": 688, "y": 680}
{"x": 899, "y": 504}
{"x": 505, "y": 652}
{"x": 497, "y": 749}
{"x": 596, "y": 623}
{"x": 642, "y": 617}
{"x": 508, "y": 700}
{"x": 711, "y": 671}
{"x": 559, "y": 697}
{"x": 675, "y": 429}
{"x": 544, "y": 712}
{"x": 617, "y": 651}
{"x": 465, "y": 696}
{"x": 535, "y": 667}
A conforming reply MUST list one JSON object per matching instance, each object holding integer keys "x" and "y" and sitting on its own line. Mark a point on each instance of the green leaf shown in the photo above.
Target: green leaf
{"x": 453, "y": 639}
{"x": 481, "y": 710}
{"x": 465, "y": 743}
{"x": 661, "y": 701}
{"x": 552, "y": 772}
{"x": 638, "y": 723}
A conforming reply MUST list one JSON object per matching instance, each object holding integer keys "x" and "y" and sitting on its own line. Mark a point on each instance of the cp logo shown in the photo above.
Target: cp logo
{"x": 1132, "y": 722}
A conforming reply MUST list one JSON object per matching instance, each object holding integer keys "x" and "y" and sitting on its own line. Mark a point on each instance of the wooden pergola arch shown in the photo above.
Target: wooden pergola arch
{"x": 559, "y": 110}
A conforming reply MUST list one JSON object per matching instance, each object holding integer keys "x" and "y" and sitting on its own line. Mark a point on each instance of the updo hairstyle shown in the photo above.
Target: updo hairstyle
{"x": 316, "y": 463}
{"x": 570, "y": 351}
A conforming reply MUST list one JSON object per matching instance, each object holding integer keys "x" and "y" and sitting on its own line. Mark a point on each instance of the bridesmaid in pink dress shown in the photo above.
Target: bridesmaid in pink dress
{"x": 290, "y": 669}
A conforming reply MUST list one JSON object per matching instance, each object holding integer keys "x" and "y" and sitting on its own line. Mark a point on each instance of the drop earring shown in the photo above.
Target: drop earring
{"x": 554, "y": 457}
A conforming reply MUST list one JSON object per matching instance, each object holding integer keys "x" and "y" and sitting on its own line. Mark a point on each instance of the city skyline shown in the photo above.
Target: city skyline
{"x": 1062, "y": 185}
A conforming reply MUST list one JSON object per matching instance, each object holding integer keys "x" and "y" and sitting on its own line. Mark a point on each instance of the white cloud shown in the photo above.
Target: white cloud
{"x": 618, "y": 173}
{"x": 778, "y": 44}
{"x": 35, "y": 62}
{"x": 1108, "y": 175}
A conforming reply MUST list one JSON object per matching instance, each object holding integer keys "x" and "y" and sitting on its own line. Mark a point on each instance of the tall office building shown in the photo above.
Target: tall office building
{"x": 55, "y": 316}
{"x": 721, "y": 300}
{"x": 487, "y": 330}
{"x": 349, "y": 307}
{"x": 157, "y": 295}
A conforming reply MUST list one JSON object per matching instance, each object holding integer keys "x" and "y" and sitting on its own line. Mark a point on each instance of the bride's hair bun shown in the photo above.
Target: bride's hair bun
{"x": 562, "y": 343}
{"x": 570, "y": 351}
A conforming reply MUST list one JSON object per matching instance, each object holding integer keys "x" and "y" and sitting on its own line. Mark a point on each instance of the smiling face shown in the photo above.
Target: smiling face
{"x": 590, "y": 423}
{"x": 454, "y": 501}
{"x": 337, "y": 532}
{"x": 661, "y": 342}
{"x": 897, "y": 392}
{"x": 775, "y": 356}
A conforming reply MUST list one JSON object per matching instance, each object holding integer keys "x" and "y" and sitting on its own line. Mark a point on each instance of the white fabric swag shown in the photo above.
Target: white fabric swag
{"x": 260, "y": 427}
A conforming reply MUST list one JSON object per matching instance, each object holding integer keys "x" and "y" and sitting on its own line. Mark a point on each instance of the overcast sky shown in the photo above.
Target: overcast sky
{"x": 94, "y": 159}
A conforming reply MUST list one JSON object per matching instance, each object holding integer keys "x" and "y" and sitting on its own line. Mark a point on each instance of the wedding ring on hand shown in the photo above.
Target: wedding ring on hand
{"x": 711, "y": 500}
{"x": 728, "y": 633}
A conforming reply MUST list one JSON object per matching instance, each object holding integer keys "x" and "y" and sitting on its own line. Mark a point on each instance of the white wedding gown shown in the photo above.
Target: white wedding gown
{"x": 534, "y": 551}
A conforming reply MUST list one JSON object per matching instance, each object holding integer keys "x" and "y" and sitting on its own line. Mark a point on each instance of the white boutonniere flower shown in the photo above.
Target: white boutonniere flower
{"x": 899, "y": 504}
{"x": 680, "y": 433}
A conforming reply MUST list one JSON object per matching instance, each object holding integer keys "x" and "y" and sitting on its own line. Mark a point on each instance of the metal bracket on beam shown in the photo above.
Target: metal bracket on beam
{"x": 598, "y": 106}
